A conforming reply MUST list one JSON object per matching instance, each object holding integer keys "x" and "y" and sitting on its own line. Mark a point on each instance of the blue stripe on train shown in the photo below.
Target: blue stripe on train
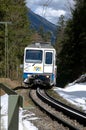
{"x": 25, "y": 75}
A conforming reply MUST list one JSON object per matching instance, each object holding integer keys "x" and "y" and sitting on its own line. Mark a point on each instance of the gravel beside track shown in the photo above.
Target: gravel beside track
{"x": 46, "y": 123}
{"x": 43, "y": 122}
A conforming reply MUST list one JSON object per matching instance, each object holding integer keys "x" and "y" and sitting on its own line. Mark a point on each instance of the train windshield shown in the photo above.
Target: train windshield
{"x": 34, "y": 56}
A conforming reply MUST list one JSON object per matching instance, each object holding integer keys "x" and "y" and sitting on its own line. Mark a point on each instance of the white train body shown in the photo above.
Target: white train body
{"x": 40, "y": 64}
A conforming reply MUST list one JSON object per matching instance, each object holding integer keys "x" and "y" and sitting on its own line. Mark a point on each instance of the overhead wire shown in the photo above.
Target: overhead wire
{"x": 45, "y": 6}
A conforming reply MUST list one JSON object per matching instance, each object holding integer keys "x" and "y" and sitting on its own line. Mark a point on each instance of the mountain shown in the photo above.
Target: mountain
{"x": 38, "y": 21}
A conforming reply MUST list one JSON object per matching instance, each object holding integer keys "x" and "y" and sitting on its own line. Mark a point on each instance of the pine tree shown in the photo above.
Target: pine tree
{"x": 60, "y": 33}
{"x": 79, "y": 29}
{"x": 19, "y": 33}
{"x": 2, "y": 40}
{"x": 72, "y": 58}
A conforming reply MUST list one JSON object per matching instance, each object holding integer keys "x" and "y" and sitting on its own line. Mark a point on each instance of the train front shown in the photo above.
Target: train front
{"x": 39, "y": 66}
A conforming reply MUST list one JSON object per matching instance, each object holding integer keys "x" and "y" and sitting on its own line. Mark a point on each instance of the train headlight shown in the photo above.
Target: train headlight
{"x": 47, "y": 76}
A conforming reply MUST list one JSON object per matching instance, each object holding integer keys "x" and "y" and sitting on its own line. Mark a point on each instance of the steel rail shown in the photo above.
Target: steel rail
{"x": 72, "y": 112}
{"x": 53, "y": 116}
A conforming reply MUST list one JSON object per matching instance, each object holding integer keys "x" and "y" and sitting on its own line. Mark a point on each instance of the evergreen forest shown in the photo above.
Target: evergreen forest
{"x": 71, "y": 45}
{"x": 16, "y": 34}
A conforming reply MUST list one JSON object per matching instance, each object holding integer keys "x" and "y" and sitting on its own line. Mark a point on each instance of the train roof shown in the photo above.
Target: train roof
{"x": 41, "y": 45}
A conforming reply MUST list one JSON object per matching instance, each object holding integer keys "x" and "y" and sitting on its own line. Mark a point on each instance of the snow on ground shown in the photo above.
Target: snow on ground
{"x": 24, "y": 116}
{"x": 75, "y": 93}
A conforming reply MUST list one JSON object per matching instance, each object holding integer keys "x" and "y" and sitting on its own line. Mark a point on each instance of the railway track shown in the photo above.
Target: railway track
{"x": 70, "y": 111}
{"x": 70, "y": 118}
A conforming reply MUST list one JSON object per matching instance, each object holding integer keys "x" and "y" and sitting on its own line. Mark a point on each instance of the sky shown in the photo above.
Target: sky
{"x": 51, "y": 9}
{"x": 75, "y": 93}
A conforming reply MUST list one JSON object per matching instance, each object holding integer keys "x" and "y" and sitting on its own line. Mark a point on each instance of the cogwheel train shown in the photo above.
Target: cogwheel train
{"x": 40, "y": 64}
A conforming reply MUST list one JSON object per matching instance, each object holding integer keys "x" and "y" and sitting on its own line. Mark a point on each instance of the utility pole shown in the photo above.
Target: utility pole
{"x": 6, "y": 48}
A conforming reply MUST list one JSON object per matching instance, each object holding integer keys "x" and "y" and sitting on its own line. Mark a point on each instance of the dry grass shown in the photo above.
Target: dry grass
{"x": 9, "y": 83}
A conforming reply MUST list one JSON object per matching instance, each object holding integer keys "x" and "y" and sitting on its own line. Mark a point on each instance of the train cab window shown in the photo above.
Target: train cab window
{"x": 48, "y": 58}
{"x": 34, "y": 56}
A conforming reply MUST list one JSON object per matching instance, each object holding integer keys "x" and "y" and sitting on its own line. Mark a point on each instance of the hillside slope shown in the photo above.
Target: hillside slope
{"x": 38, "y": 21}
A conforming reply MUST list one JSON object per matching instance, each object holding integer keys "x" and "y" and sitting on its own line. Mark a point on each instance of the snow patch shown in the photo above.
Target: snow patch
{"x": 74, "y": 93}
{"x": 24, "y": 116}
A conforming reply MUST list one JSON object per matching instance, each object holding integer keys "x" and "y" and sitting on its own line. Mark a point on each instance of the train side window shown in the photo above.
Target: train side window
{"x": 48, "y": 58}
